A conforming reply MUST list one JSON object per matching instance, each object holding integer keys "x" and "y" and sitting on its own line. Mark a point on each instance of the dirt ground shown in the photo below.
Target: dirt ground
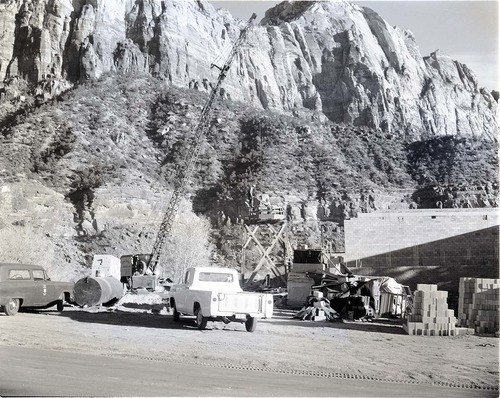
{"x": 378, "y": 350}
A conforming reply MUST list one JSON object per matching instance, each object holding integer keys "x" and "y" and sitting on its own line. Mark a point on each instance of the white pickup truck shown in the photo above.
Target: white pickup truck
{"x": 214, "y": 294}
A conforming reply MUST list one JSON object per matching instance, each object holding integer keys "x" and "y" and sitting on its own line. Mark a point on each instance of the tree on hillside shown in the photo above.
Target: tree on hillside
{"x": 187, "y": 247}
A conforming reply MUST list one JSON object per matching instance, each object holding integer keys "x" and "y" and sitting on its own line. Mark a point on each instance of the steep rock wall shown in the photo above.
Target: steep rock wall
{"x": 334, "y": 57}
{"x": 36, "y": 226}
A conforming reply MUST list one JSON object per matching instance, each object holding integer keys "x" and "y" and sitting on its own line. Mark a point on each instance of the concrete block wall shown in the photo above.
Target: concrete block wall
{"x": 431, "y": 315}
{"x": 478, "y": 304}
{"x": 432, "y": 237}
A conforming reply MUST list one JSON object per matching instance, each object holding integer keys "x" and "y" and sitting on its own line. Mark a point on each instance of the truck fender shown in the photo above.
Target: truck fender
{"x": 68, "y": 296}
{"x": 197, "y": 303}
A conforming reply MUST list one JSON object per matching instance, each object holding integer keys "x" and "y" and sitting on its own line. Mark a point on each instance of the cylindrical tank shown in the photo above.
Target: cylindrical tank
{"x": 90, "y": 291}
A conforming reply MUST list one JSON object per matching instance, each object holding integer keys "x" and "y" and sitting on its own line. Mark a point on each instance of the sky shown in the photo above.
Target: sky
{"x": 467, "y": 31}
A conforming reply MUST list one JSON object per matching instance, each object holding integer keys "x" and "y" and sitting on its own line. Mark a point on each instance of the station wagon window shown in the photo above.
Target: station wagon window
{"x": 38, "y": 275}
{"x": 19, "y": 274}
{"x": 215, "y": 277}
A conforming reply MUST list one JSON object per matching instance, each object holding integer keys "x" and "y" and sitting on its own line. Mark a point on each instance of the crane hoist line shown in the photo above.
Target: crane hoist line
{"x": 186, "y": 167}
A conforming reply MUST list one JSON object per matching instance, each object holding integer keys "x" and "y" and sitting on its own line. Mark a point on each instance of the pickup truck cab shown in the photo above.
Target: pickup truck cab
{"x": 215, "y": 294}
{"x": 24, "y": 285}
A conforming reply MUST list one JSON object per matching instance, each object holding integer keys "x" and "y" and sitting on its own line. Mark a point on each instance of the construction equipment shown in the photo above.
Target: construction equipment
{"x": 134, "y": 272}
{"x": 262, "y": 209}
{"x": 266, "y": 215}
{"x": 185, "y": 169}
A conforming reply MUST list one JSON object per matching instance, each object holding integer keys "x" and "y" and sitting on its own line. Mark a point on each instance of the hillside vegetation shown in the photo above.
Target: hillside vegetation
{"x": 133, "y": 130}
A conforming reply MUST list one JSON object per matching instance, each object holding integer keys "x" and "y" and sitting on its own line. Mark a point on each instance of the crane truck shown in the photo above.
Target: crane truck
{"x": 139, "y": 270}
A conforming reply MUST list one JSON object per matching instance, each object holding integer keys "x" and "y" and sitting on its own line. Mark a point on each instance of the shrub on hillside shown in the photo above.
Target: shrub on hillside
{"x": 453, "y": 160}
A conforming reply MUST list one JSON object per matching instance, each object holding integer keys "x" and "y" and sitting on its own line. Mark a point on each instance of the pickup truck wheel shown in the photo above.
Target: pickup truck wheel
{"x": 201, "y": 321}
{"x": 12, "y": 307}
{"x": 251, "y": 324}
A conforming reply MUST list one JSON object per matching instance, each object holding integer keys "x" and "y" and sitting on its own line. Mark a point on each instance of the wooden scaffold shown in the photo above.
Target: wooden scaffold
{"x": 278, "y": 233}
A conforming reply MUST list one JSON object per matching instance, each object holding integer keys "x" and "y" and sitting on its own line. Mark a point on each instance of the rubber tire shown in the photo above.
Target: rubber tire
{"x": 177, "y": 315}
{"x": 201, "y": 321}
{"x": 12, "y": 307}
{"x": 251, "y": 324}
{"x": 60, "y": 305}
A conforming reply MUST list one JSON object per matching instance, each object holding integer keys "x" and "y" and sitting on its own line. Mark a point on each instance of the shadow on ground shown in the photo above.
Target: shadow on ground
{"x": 139, "y": 319}
{"x": 390, "y": 326}
{"x": 114, "y": 316}
{"x": 149, "y": 316}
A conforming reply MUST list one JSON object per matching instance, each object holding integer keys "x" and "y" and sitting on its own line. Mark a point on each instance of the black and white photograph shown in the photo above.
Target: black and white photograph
{"x": 232, "y": 198}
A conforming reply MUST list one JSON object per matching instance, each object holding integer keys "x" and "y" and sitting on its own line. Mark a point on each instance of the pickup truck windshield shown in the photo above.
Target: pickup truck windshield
{"x": 215, "y": 277}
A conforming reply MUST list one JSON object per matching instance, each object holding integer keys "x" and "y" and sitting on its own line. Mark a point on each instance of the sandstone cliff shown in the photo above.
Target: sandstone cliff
{"x": 84, "y": 173}
{"x": 335, "y": 57}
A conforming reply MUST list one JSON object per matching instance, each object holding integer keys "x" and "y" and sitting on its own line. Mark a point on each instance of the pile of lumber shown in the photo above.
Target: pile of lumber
{"x": 332, "y": 284}
{"x": 317, "y": 308}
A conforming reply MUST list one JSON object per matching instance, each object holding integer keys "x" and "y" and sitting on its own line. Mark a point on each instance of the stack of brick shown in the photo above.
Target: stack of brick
{"x": 478, "y": 304}
{"x": 431, "y": 316}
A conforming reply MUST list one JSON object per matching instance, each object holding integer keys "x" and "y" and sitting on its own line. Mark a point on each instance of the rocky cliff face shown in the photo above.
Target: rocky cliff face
{"x": 88, "y": 180}
{"x": 335, "y": 57}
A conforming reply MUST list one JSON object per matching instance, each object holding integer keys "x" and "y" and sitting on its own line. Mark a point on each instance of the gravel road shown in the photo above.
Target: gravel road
{"x": 369, "y": 351}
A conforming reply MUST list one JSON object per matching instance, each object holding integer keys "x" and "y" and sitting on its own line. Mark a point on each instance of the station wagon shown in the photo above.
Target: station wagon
{"x": 25, "y": 285}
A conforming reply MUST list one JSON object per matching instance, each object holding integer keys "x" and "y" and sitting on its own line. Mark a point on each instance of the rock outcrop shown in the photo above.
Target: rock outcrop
{"x": 35, "y": 225}
{"x": 335, "y": 57}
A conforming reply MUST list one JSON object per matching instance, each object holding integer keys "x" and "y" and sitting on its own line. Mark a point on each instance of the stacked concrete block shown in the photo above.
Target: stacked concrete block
{"x": 467, "y": 288}
{"x": 431, "y": 316}
{"x": 478, "y": 305}
{"x": 484, "y": 311}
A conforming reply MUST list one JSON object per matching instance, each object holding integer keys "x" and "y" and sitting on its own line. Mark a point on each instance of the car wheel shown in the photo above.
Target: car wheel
{"x": 60, "y": 305}
{"x": 12, "y": 307}
{"x": 177, "y": 315}
{"x": 201, "y": 321}
{"x": 251, "y": 324}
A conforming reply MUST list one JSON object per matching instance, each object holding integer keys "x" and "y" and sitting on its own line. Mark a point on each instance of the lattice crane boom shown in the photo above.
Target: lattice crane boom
{"x": 186, "y": 168}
